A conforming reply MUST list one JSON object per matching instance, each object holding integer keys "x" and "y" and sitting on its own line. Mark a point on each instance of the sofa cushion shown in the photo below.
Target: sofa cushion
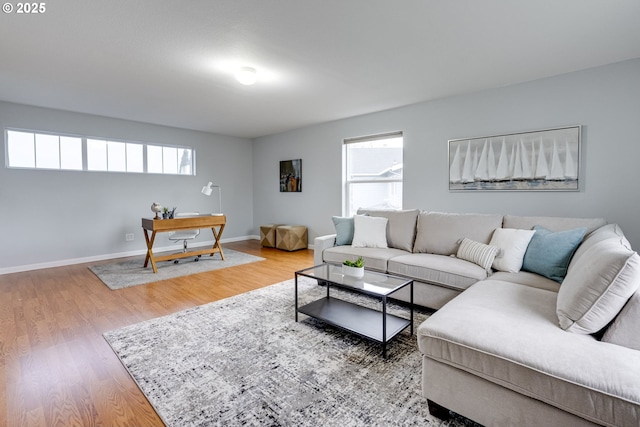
{"x": 374, "y": 258}
{"x": 624, "y": 329}
{"x": 344, "y": 230}
{"x": 528, "y": 279}
{"x": 440, "y": 233}
{"x": 477, "y": 253}
{"x": 443, "y": 270}
{"x": 552, "y": 223}
{"x": 549, "y": 253}
{"x": 401, "y": 228}
{"x": 598, "y": 285}
{"x": 369, "y": 232}
{"x": 602, "y": 233}
{"x": 508, "y": 335}
{"x": 513, "y": 245}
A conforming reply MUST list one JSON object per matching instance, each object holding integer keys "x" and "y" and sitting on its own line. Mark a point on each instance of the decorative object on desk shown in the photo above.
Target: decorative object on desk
{"x": 353, "y": 268}
{"x": 239, "y": 346}
{"x": 168, "y": 214}
{"x": 155, "y": 207}
{"x": 543, "y": 160}
{"x": 207, "y": 190}
{"x": 130, "y": 272}
{"x": 291, "y": 176}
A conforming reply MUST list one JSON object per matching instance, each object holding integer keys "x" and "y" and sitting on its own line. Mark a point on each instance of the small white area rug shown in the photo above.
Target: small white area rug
{"x": 130, "y": 272}
{"x": 244, "y": 361}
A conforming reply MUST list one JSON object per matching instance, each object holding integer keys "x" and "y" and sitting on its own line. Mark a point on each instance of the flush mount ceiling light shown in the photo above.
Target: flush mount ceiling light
{"x": 246, "y": 75}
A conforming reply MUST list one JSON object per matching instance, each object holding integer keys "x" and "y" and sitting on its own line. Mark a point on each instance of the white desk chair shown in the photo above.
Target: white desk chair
{"x": 184, "y": 235}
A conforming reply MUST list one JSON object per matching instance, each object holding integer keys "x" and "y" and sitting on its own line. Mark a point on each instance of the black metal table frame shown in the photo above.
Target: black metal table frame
{"x": 341, "y": 314}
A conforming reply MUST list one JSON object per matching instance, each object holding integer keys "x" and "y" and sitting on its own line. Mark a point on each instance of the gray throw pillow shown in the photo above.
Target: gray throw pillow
{"x": 344, "y": 230}
{"x": 549, "y": 253}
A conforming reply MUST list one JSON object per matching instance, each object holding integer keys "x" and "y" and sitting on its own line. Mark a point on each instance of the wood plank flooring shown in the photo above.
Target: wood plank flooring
{"x": 55, "y": 367}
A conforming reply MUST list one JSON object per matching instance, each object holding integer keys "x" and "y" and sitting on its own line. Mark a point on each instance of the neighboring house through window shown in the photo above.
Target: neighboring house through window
{"x": 373, "y": 172}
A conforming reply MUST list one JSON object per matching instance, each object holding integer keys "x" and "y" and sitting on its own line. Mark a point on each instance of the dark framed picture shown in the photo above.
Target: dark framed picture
{"x": 291, "y": 176}
{"x": 542, "y": 160}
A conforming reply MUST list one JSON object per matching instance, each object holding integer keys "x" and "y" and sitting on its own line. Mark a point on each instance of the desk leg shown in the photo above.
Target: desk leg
{"x": 150, "y": 250}
{"x": 216, "y": 238}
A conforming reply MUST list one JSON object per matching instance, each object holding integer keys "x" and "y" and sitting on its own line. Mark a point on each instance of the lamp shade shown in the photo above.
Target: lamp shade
{"x": 207, "y": 189}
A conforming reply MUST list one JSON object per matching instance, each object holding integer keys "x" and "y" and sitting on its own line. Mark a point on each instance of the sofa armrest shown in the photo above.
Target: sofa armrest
{"x": 321, "y": 243}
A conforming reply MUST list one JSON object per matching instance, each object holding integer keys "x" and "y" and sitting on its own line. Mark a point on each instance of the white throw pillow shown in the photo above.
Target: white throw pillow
{"x": 477, "y": 252}
{"x": 513, "y": 244}
{"x": 369, "y": 232}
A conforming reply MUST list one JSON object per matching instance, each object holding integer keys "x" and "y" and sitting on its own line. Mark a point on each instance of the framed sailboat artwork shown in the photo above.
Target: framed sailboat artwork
{"x": 541, "y": 160}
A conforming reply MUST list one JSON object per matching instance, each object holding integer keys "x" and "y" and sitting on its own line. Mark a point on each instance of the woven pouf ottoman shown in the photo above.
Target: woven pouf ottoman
{"x": 268, "y": 235}
{"x": 291, "y": 237}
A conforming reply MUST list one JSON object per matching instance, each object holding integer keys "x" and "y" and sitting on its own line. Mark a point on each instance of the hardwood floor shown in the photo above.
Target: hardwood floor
{"x": 56, "y": 368}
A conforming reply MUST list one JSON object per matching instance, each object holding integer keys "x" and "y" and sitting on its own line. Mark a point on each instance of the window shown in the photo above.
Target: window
{"x": 39, "y": 150}
{"x": 373, "y": 172}
{"x": 114, "y": 156}
{"x": 172, "y": 160}
{"x": 43, "y": 151}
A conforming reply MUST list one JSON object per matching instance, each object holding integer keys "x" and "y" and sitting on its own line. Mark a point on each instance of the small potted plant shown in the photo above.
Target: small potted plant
{"x": 353, "y": 268}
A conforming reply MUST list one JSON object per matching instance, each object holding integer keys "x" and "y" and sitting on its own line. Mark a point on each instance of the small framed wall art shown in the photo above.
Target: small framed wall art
{"x": 291, "y": 176}
{"x": 542, "y": 160}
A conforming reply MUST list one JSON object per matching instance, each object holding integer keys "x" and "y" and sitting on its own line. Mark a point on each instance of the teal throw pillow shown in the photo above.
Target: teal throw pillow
{"x": 344, "y": 230}
{"x": 549, "y": 253}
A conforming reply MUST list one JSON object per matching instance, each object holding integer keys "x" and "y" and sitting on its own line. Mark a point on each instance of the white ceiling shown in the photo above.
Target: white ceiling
{"x": 170, "y": 62}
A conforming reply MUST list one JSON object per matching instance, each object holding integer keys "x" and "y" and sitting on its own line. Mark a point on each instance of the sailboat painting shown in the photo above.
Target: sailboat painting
{"x": 542, "y": 160}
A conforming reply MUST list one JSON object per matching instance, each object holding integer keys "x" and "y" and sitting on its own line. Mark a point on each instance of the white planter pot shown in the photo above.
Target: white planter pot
{"x": 356, "y": 272}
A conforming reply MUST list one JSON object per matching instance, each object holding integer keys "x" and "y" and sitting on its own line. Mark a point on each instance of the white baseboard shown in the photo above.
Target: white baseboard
{"x": 63, "y": 262}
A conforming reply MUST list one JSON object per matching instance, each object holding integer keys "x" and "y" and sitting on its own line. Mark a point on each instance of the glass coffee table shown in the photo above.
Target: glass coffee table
{"x": 373, "y": 324}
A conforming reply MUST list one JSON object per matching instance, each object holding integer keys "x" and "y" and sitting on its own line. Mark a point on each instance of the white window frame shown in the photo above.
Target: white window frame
{"x": 36, "y": 163}
{"x": 110, "y": 152}
{"x": 348, "y": 182}
{"x": 164, "y": 150}
{"x": 84, "y": 141}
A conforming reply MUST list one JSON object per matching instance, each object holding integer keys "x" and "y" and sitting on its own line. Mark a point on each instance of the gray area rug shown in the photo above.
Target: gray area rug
{"x": 130, "y": 272}
{"x": 244, "y": 361}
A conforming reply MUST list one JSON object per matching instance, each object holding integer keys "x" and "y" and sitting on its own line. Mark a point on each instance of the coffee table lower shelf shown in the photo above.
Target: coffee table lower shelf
{"x": 360, "y": 320}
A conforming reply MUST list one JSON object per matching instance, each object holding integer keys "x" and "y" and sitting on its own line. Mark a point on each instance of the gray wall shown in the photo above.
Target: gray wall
{"x": 604, "y": 100}
{"x": 52, "y": 217}
{"x": 57, "y": 217}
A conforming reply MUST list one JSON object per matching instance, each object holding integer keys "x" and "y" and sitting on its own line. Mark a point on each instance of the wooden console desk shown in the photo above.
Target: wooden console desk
{"x": 183, "y": 223}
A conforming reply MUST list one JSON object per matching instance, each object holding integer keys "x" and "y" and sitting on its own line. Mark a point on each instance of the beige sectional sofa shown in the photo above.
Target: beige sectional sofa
{"x": 558, "y": 345}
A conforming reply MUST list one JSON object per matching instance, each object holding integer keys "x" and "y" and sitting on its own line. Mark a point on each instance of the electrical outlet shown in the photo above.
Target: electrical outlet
{"x": 128, "y": 237}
